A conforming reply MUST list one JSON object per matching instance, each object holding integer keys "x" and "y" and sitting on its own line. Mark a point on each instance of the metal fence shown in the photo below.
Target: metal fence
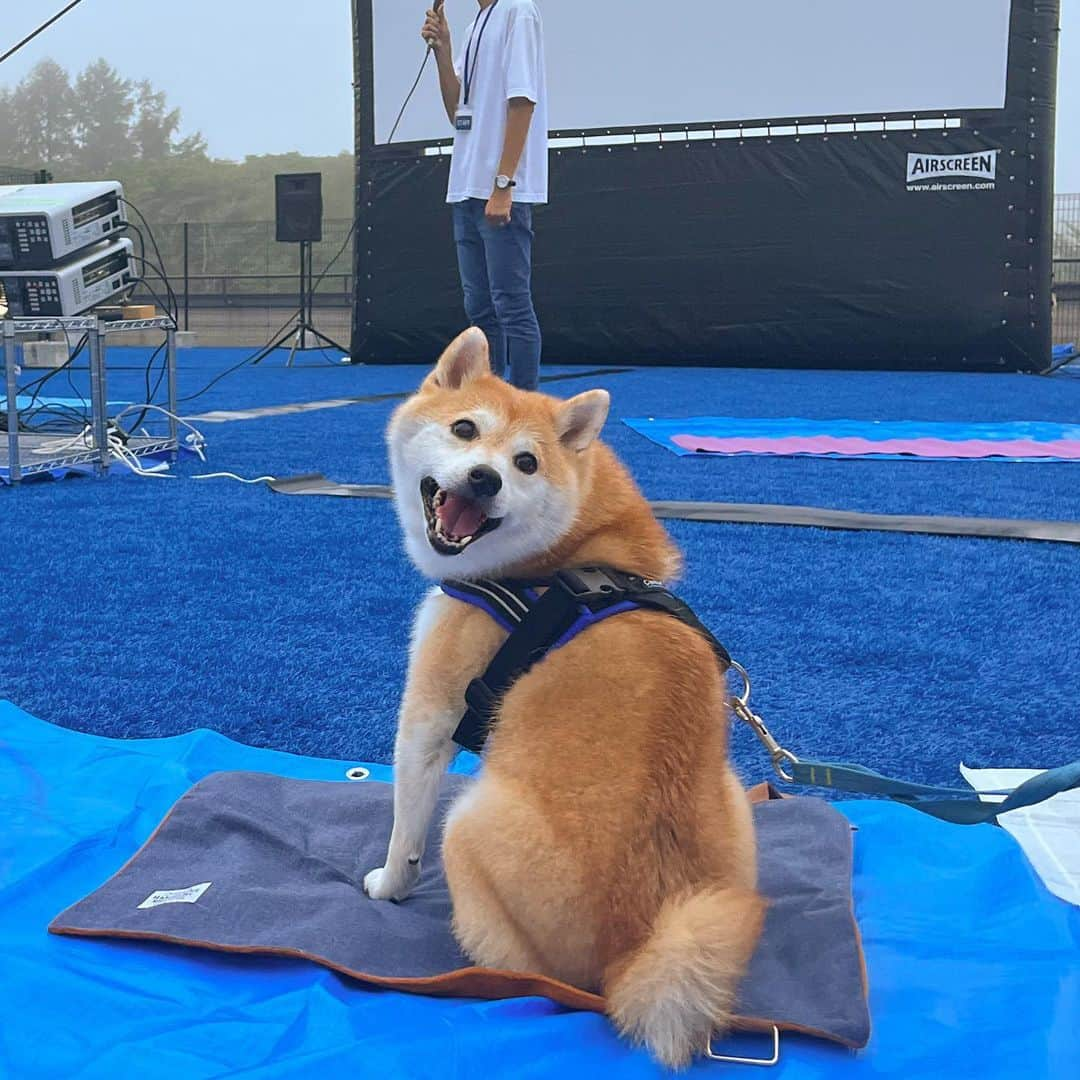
{"x": 236, "y": 285}
{"x": 9, "y": 174}
{"x": 1067, "y": 269}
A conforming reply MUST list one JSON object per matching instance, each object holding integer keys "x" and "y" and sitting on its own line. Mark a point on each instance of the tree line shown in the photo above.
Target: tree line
{"x": 90, "y": 124}
{"x": 99, "y": 125}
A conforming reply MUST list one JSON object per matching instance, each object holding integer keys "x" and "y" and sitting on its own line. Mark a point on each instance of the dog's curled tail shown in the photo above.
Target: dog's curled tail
{"x": 679, "y": 986}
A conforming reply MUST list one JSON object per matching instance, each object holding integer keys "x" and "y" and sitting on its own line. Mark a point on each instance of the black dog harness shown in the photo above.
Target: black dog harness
{"x": 546, "y": 613}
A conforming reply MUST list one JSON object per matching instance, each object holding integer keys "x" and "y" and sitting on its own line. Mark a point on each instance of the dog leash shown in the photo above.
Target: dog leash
{"x": 957, "y": 805}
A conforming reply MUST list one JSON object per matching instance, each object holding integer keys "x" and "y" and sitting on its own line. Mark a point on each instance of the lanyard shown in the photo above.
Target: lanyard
{"x": 471, "y": 74}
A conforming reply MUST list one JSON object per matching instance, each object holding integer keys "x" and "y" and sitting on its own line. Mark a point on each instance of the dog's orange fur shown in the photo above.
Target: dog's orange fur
{"x": 608, "y": 843}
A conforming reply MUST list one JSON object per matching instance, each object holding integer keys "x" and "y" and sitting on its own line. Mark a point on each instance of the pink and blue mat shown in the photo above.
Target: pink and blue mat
{"x": 972, "y": 963}
{"x": 1017, "y": 441}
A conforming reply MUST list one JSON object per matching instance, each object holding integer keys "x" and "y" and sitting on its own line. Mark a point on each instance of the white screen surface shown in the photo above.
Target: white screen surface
{"x": 620, "y": 64}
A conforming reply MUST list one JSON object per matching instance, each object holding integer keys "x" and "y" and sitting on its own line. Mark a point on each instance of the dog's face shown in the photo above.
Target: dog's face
{"x": 487, "y": 476}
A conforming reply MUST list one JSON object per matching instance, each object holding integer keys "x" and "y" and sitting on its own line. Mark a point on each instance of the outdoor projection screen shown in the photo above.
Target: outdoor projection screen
{"x": 847, "y": 183}
{"x": 623, "y": 64}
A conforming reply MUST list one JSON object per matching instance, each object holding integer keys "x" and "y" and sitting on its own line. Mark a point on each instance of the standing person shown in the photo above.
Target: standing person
{"x": 496, "y": 98}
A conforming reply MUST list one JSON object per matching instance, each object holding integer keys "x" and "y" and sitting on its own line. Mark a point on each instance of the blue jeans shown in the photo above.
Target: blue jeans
{"x": 496, "y": 277}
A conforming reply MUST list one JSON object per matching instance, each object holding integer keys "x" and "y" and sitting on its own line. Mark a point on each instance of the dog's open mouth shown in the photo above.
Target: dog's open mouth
{"x": 453, "y": 521}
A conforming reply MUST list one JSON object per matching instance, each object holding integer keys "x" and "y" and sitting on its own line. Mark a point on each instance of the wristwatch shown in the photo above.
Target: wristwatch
{"x": 503, "y": 182}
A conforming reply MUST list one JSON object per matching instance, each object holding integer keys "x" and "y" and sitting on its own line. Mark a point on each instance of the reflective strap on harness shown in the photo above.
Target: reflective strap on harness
{"x": 546, "y": 621}
{"x": 573, "y": 600}
{"x": 605, "y": 586}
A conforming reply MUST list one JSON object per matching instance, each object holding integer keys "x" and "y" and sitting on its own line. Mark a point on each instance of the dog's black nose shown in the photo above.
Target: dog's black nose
{"x": 484, "y": 481}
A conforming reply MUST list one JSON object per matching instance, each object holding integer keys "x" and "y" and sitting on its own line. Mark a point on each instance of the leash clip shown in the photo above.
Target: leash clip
{"x": 740, "y": 703}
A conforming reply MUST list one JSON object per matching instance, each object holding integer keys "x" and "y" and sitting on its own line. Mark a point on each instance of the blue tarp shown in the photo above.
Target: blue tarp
{"x": 974, "y": 967}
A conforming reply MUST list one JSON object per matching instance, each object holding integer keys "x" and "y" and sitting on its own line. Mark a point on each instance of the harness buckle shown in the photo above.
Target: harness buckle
{"x": 480, "y": 699}
{"x": 473, "y": 727}
{"x": 588, "y": 584}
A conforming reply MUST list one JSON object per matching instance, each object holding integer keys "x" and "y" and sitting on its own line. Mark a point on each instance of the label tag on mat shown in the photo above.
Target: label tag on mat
{"x": 176, "y": 896}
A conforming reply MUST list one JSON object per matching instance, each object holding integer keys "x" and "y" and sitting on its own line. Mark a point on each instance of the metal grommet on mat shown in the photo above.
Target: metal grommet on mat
{"x": 357, "y": 772}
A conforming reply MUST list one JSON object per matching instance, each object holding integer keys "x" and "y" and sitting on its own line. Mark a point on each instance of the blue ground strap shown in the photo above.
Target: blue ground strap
{"x": 957, "y": 805}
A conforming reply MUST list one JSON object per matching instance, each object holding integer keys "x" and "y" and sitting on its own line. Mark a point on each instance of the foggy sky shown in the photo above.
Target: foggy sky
{"x": 268, "y": 76}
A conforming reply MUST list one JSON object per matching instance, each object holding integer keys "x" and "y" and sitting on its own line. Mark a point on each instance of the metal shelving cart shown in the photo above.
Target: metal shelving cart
{"x": 25, "y": 454}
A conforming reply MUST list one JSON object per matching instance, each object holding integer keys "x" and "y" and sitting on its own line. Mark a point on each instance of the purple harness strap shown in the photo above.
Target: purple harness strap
{"x": 497, "y": 600}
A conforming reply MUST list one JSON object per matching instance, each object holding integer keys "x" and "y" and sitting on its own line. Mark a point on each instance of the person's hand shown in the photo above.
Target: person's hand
{"x": 436, "y": 30}
{"x": 499, "y": 206}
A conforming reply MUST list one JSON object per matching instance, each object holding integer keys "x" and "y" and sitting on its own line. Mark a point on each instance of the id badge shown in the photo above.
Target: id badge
{"x": 463, "y": 119}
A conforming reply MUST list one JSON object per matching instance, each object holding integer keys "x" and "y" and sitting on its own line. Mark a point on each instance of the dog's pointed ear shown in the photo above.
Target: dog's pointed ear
{"x": 580, "y": 419}
{"x": 463, "y": 360}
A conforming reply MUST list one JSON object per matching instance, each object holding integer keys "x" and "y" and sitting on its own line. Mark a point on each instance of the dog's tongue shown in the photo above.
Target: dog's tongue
{"x": 459, "y": 516}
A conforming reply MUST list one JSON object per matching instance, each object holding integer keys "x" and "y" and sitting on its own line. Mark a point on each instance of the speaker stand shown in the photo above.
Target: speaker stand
{"x": 303, "y": 327}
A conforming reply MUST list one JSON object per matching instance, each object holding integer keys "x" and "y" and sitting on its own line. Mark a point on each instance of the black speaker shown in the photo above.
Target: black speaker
{"x": 298, "y": 206}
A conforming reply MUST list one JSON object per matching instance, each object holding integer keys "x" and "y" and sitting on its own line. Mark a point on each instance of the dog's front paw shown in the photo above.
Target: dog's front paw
{"x": 379, "y": 884}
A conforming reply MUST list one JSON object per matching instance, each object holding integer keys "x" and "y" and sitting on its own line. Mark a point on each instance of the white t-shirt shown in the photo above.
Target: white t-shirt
{"x": 507, "y": 61}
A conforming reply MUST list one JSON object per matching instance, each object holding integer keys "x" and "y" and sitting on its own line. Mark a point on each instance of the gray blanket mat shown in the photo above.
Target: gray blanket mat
{"x": 249, "y": 862}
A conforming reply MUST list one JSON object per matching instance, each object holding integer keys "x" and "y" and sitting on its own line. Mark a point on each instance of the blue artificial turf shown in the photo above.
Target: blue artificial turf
{"x": 136, "y": 607}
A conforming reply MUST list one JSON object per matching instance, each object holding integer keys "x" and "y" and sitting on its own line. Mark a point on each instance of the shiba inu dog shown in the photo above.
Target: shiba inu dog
{"x": 607, "y": 843}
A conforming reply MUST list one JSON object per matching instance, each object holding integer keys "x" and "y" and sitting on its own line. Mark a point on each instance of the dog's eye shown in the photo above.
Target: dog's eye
{"x": 527, "y": 463}
{"x": 464, "y": 429}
